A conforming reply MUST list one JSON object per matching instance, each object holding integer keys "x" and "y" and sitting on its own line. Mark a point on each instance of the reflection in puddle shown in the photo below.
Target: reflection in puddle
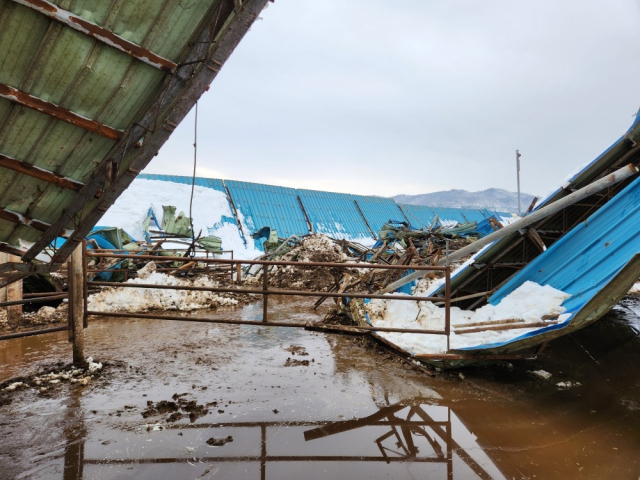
{"x": 409, "y": 440}
{"x": 349, "y": 412}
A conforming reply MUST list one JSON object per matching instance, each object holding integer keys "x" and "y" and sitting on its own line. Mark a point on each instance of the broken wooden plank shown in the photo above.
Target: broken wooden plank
{"x": 506, "y": 327}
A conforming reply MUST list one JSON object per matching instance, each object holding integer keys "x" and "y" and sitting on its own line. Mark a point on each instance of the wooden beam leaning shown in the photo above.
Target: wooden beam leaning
{"x": 56, "y": 111}
{"x": 99, "y": 33}
{"x": 47, "y": 176}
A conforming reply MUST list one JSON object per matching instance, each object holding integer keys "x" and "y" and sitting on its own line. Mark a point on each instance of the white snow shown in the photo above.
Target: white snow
{"x": 338, "y": 231}
{"x": 635, "y": 288}
{"x": 144, "y": 299}
{"x": 130, "y": 210}
{"x": 530, "y": 302}
{"x": 568, "y": 384}
{"x": 93, "y": 366}
{"x": 541, "y": 374}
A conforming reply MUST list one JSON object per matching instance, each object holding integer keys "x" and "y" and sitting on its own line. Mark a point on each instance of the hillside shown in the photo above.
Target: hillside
{"x": 492, "y": 198}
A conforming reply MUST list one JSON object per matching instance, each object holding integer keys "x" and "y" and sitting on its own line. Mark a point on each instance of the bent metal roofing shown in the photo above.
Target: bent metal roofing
{"x": 89, "y": 92}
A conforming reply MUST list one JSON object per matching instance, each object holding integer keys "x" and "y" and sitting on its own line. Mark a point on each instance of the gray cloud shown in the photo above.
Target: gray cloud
{"x": 380, "y": 97}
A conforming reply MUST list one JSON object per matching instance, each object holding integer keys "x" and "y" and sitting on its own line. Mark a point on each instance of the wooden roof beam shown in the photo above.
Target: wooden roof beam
{"x": 47, "y": 176}
{"x": 99, "y": 33}
{"x": 55, "y": 111}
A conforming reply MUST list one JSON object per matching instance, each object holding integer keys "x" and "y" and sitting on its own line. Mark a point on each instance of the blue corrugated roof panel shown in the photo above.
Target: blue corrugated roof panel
{"x": 266, "y": 205}
{"x": 447, "y": 214}
{"x": 588, "y": 257}
{"x": 334, "y": 214}
{"x": 473, "y": 214}
{"x": 420, "y": 216}
{"x": 378, "y": 210}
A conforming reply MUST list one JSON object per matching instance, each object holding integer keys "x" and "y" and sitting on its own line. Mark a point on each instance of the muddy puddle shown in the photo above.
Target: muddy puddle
{"x": 238, "y": 402}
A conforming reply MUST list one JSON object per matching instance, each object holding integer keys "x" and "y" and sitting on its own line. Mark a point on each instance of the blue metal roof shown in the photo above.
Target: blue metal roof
{"x": 378, "y": 210}
{"x": 334, "y": 214}
{"x": 587, "y": 258}
{"x": 266, "y": 205}
{"x": 420, "y": 216}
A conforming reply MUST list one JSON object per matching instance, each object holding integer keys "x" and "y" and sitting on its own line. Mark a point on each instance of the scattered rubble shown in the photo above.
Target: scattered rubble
{"x": 177, "y": 408}
{"x": 219, "y": 442}
{"x": 49, "y": 379}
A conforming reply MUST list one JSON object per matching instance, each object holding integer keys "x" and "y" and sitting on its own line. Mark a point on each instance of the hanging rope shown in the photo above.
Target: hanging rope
{"x": 193, "y": 179}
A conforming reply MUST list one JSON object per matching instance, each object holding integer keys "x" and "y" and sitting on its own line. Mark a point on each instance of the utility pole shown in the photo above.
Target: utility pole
{"x": 518, "y": 174}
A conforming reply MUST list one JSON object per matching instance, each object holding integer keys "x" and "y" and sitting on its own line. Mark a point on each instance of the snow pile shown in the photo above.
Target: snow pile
{"x": 530, "y": 302}
{"x": 635, "y": 289}
{"x": 143, "y": 299}
{"x": 209, "y": 206}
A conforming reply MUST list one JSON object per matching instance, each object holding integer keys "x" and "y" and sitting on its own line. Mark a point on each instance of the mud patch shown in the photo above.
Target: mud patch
{"x": 177, "y": 409}
{"x": 297, "y": 350}
{"x": 219, "y": 442}
{"x": 296, "y": 363}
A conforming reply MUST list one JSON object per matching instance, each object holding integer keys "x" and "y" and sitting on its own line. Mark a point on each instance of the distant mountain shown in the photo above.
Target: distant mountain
{"x": 492, "y": 198}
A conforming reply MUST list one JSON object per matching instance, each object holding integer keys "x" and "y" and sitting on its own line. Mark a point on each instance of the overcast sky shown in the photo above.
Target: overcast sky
{"x": 413, "y": 96}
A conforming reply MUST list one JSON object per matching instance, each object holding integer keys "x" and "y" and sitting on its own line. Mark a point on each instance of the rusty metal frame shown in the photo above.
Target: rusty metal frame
{"x": 99, "y": 33}
{"x": 265, "y": 292}
{"x": 24, "y": 221}
{"x": 178, "y": 97}
{"x": 26, "y": 100}
{"x": 25, "y": 168}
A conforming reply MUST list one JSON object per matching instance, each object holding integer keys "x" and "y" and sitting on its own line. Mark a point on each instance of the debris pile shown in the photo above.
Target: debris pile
{"x": 48, "y": 380}
{"x": 177, "y": 408}
{"x": 312, "y": 248}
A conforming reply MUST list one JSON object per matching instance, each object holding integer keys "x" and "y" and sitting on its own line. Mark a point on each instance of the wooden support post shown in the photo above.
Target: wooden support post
{"x": 238, "y": 274}
{"x": 85, "y": 285}
{"x": 76, "y": 304}
{"x": 10, "y": 293}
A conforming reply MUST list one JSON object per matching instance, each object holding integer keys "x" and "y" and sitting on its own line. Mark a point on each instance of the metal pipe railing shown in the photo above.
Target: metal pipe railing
{"x": 265, "y": 291}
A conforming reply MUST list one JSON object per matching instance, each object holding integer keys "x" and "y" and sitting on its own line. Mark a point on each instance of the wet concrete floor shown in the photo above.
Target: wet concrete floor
{"x": 287, "y": 403}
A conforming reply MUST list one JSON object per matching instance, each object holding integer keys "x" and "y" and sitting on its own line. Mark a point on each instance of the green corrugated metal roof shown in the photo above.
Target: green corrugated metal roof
{"x": 76, "y": 71}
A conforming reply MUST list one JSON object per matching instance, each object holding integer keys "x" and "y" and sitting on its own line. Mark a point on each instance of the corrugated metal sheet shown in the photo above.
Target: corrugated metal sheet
{"x": 334, "y": 214}
{"x": 420, "y": 216}
{"x": 88, "y": 115}
{"x": 585, "y": 261}
{"x": 378, "y": 210}
{"x": 266, "y": 205}
{"x": 587, "y": 257}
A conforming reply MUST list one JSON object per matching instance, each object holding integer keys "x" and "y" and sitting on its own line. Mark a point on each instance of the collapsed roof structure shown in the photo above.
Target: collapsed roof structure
{"x": 89, "y": 92}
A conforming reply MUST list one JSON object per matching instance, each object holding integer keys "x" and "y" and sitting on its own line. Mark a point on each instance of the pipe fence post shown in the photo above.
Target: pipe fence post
{"x": 447, "y": 295}
{"x": 265, "y": 296}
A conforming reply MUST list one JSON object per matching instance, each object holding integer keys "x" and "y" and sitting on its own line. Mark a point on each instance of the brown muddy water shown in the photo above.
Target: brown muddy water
{"x": 352, "y": 412}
